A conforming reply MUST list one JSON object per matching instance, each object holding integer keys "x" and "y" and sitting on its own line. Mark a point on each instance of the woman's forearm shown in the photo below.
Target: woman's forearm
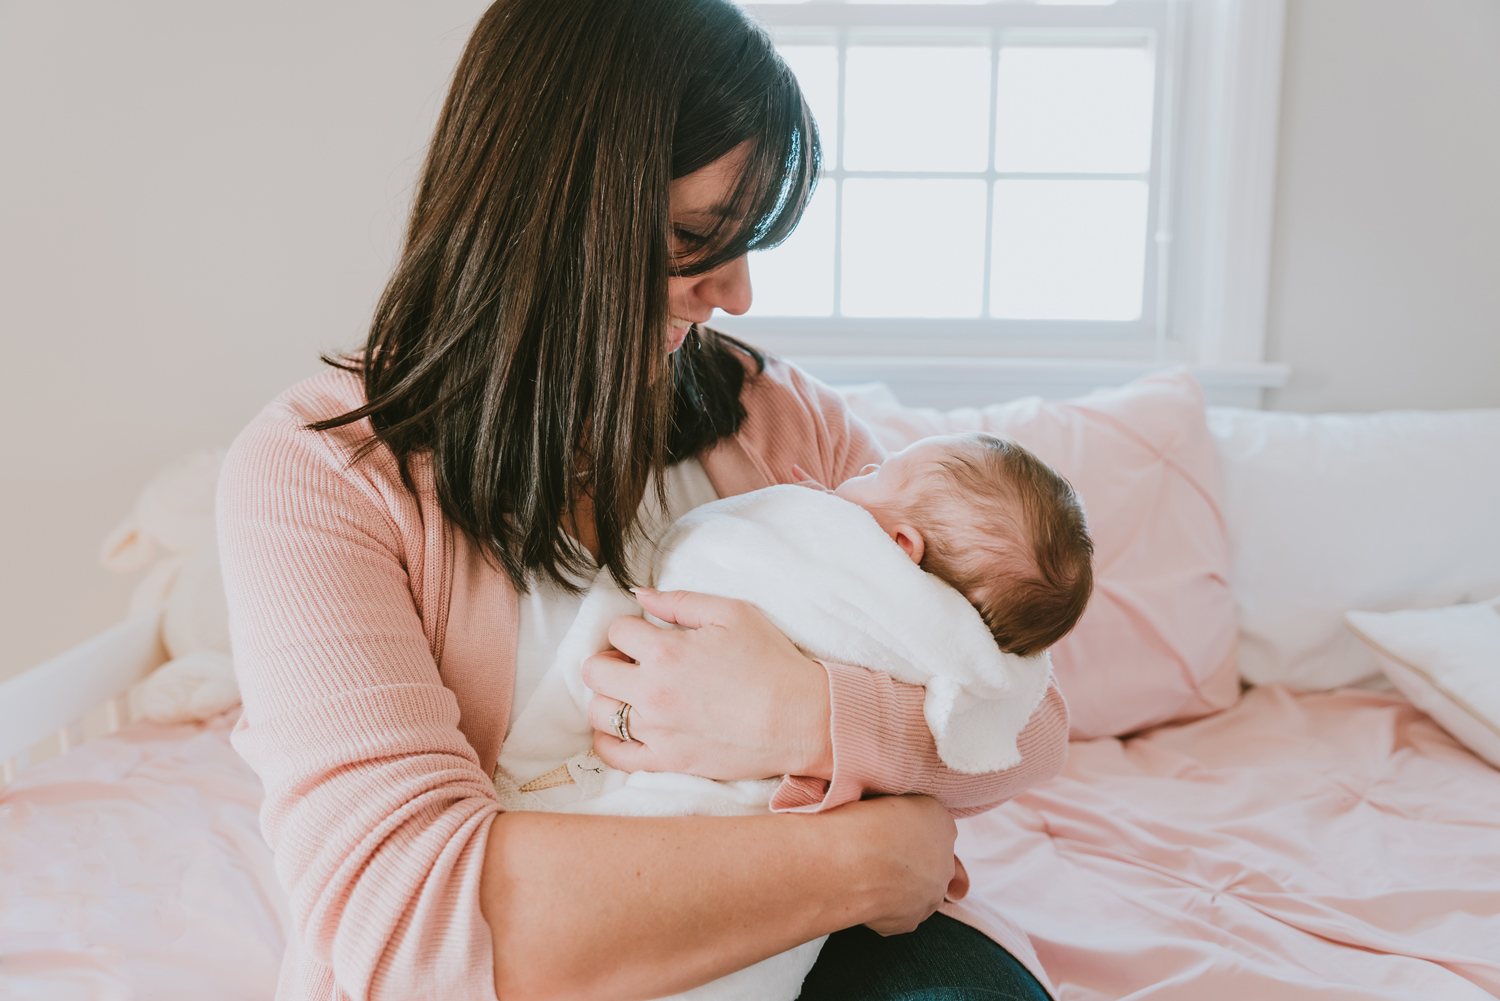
{"x": 642, "y": 907}
{"x": 629, "y": 908}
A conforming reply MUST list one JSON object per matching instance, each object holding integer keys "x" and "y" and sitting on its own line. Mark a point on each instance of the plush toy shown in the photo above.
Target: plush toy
{"x": 171, "y": 532}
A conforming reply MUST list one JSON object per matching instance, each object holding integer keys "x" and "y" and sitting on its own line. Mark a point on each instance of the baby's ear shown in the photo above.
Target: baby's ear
{"x": 910, "y": 540}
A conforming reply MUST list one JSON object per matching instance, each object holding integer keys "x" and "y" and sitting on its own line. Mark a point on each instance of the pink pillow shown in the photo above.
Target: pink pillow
{"x": 1158, "y": 640}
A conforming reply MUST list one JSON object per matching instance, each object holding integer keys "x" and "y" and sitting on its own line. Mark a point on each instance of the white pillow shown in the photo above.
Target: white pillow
{"x": 1337, "y": 511}
{"x": 1447, "y": 661}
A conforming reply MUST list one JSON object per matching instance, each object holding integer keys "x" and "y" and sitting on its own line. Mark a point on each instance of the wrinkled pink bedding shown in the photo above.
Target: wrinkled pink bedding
{"x": 133, "y": 868}
{"x": 1322, "y": 846}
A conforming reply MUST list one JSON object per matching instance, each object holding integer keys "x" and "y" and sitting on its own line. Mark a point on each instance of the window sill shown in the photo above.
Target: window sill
{"x": 971, "y": 382}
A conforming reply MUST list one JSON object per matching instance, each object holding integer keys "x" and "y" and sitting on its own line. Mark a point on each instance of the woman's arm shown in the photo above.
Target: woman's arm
{"x": 728, "y": 696}
{"x": 385, "y": 826}
{"x": 628, "y": 908}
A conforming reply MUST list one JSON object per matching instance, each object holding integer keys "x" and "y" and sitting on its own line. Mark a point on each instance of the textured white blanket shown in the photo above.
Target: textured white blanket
{"x": 824, "y": 572}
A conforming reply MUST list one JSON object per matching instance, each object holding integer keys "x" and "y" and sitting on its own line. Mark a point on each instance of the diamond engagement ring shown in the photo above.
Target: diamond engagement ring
{"x": 620, "y": 723}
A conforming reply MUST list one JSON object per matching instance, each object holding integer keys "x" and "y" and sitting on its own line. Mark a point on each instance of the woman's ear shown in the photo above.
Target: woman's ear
{"x": 910, "y": 540}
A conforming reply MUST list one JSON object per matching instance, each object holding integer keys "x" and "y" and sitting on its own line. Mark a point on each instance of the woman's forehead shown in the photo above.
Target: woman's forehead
{"x": 707, "y": 194}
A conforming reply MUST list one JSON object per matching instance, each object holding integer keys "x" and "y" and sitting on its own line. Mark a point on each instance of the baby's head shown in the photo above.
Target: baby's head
{"x": 993, "y": 521}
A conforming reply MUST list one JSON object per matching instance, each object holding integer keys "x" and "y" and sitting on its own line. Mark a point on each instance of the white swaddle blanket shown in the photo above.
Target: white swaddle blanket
{"x": 823, "y": 572}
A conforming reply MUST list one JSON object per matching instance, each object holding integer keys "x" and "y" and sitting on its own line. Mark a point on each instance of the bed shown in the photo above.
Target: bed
{"x": 1248, "y": 810}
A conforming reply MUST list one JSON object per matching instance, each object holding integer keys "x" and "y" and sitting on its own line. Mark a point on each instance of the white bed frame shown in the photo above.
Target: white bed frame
{"x": 53, "y": 698}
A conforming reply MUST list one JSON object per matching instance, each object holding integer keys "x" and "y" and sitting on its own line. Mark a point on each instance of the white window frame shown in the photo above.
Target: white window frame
{"x": 1217, "y": 99}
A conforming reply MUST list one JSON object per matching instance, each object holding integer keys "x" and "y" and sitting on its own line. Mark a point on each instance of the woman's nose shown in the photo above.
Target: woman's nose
{"x": 727, "y": 286}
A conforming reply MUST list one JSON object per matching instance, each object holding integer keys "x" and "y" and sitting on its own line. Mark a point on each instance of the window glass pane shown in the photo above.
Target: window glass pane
{"x": 913, "y": 248}
{"x": 817, "y": 71}
{"x": 1069, "y": 250}
{"x": 796, "y": 278}
{"x": 1085, "y": 110}
{"x": 916, "y": 108}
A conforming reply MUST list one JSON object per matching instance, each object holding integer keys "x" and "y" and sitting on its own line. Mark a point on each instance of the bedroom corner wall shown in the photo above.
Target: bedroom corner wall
{"x": 1385, "y": 273}
{"x": 195, "y": 200}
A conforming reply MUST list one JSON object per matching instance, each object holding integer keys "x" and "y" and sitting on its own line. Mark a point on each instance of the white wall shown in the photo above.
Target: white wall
{"x": 1385, "y": 281}
{"x": 195, "y": 199}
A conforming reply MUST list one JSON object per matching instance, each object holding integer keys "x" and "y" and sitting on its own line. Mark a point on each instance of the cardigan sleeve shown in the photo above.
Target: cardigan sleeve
{"x": 375, "y": 805}
{"x": 881, "y": 742}
{"x": 882, "y": 745}
{"x": 791, "y": 419}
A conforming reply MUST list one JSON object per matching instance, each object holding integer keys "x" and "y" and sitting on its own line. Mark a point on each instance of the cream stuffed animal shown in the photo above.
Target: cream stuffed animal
{"x": 171, "y": 531}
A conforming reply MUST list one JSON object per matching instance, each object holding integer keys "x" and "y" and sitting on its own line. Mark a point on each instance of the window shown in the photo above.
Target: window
{"x": 1003, "y": 178}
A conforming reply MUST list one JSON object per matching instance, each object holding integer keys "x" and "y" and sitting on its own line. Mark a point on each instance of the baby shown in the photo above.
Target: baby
{"x": 994, "y": 522}
{"x": 954, "y": 565}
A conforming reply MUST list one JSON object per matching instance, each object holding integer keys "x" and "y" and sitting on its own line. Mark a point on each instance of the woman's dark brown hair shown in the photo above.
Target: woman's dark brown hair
{"x": 522, "y": 338}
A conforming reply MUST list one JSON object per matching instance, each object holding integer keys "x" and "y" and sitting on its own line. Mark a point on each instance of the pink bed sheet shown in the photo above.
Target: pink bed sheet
{"x": 1319, "y": 846}
{"x": 1324, "y": 846}
{"x": 133, "y": 868}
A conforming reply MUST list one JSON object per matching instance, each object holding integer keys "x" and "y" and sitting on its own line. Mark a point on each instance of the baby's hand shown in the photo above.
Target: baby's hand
{"x": 804, "y": 480}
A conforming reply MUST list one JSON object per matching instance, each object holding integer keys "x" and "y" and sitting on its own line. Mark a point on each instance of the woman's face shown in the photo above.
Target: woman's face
{"x": 699, "y": 201}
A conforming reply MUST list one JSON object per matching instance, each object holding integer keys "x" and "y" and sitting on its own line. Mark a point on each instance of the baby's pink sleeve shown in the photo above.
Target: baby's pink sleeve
{"x": 882, "y": 746}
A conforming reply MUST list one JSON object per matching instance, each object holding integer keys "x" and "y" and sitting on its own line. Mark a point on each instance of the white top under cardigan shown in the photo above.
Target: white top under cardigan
{"x": 547, "y": 611}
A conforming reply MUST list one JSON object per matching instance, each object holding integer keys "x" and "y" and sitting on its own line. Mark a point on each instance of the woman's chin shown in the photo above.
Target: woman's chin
{"x": 676, "y": 336}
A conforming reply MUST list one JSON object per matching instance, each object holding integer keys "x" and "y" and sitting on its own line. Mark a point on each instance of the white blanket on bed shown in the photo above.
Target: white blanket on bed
{"x": 822, "y": 571}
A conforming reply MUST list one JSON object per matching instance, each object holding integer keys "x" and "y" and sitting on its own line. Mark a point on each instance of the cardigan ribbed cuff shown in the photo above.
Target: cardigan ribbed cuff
{"x": 881, "y": 743}
{"x": 883, "y": 746}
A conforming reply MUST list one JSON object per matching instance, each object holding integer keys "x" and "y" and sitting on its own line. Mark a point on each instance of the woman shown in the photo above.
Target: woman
{"x": 395, "y": 529}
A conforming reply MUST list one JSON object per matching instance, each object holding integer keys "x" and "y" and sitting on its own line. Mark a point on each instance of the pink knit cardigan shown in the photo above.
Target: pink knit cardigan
{"x": 376, "y": 654}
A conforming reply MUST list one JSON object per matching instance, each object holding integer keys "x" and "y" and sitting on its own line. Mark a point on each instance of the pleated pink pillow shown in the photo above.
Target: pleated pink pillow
{"x": 1158, "y": 640}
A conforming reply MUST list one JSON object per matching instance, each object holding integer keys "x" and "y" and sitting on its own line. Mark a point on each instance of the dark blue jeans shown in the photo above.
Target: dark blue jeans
{"x": 943, "y": 960}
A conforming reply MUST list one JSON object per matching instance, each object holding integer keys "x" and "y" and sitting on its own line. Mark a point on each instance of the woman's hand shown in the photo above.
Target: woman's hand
{"x": 903, "y": 864}
{"x": 726, "y": 696}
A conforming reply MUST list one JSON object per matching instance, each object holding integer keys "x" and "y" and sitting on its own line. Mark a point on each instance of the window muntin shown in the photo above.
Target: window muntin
{"x": 991, "y": 173}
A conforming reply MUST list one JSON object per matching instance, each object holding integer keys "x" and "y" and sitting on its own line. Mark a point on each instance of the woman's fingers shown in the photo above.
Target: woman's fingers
{"x": 615, "y": 675}
{"x": 635, "y": 639}
{"x": 908, "y": 845}
{"x": 601, "y": 709}
{"x": 688, "y": 609}
{"x": 633, "y": 755}
{"x": 958, "y": 886}
{"x": 726, "y": 695}
{"x": 627, "y": 757}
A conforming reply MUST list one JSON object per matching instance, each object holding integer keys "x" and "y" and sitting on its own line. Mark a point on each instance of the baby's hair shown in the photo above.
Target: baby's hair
{"x": 1029, "y": 576}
